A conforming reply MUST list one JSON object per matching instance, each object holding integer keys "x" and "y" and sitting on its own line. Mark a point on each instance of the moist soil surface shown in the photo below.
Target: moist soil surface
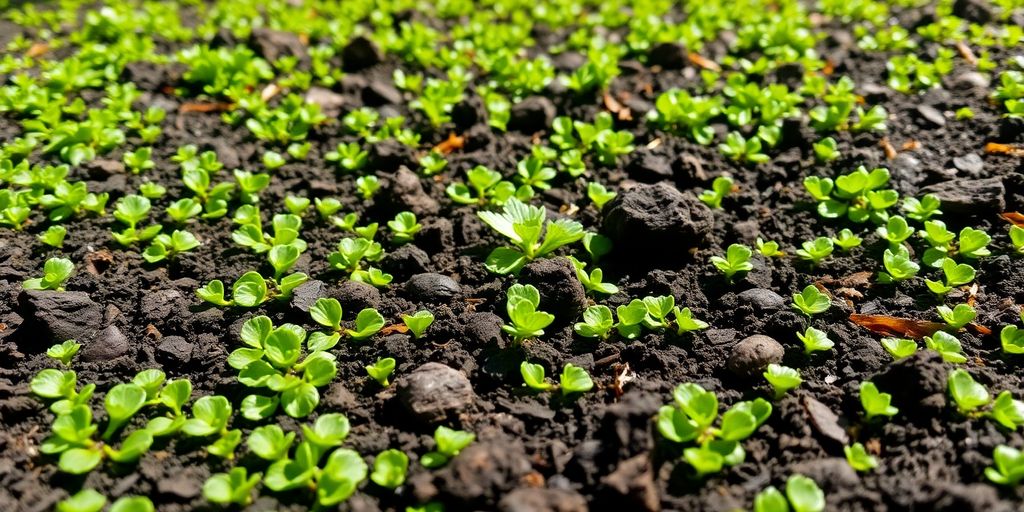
{"x": 540, "y": 451}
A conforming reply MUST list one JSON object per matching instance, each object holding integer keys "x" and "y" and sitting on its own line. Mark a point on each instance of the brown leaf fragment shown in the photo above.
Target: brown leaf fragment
{"x": 824, "y": 420}
{"x": 450, "y": 144}
{"x": 396, "y": 328}
{"x": 966, "y": 53}
{"x": 698, "y": 60}
{"x": 893, "y": 326}
{"x": 995, "y": 148}
{"x": 37, "y": 49}
{"x": 1015, "y": 218}
{"x": 623, "y": 375}
{"x": 186, "y": 108}
{"x": 613, "y": 106}
{"x": 890, "y": 152}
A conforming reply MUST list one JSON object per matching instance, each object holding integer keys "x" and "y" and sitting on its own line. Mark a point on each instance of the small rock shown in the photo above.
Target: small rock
{"x": 306, "y": 294}
{"x": 405, "y": 261}
{"x": 355, "y": 296}
{"x": 404, "y": 191}
{"x": 649, "y": 166}
{"x": 360, "y": 53}
{"x": 833, "y": 473}
{"x": 978, "y": 11}
{"x": 531, "y": 115}
{"x": 329, "y": 101}
{"x": 380, "y": 92}
{"x": 824, "y": 420}
{"x": 431, "y": 287}
{"x": 971, "y": 80}
{"x": 61, "y": 316}
{"x": 529, "y": 499}
{"x": 433, "y": 392}
{"x": 752, "y": 354}
{"x": 338, "y": 397}
{"x": 762, "y": 299}
{"x": 274, "y": 44}
{"x": 932, "y": 115}
{"x": 561, "y": 292}
{"x": 483, "y": 472}
{"x": 109, "y": 344}
{"x": 161, "y": 306}
{"x": 185, "y": 485}
{"x": 482, "y": 329}
{"x": 468, "y": 113}
{"x": 390, "y": 155}
{"x": 174, "y": 351}
{"x": 633, "y": 485}
{"x": 667, "y": 55}
{"x": 970, "y": 196}
{"x": 971, "y": 163}
{"x": 657, "y": 220}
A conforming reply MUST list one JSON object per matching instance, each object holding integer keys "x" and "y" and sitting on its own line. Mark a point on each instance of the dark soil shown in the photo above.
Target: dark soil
{"x": 541, "y": 452}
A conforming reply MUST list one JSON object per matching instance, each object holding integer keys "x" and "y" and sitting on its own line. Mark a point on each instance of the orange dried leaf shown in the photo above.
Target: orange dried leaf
{"x": 890, "y": 152}
{"x": 893, "y": 326}
{"x": 37, "y": 49}
{"x": 1015, "y": 218}
{"x": 395, "y": 329}
{"x": 205, "y": 107}
{"x": 452, "y": 143}
{"x": 698, "y": 60}
{"x": 996, "y": 148}
{"x": 620, "y": 110}
{"x": 966, "y": 53}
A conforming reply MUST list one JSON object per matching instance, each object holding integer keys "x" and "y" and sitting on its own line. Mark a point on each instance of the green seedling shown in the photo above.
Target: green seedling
{"x": 947, "y": 346}
{"x": 899, "y": 348}
{"x": 55, "y": 272}
{"x": 874, "y": 402}
{"x": 233, "y": 487}
{"x": 956, "y": 274}
{"x": 381, "y": 370}
{"x": 816, "y": 250}
{"x": 768, "y": 249}
{"x": 574, "y": 380}
{"x": 390, "y": 468}
{"x": 525, "y": 321}
{"x": 64, "y": 352}
{"x": 166, "y": 246}
{"x": 597, "y": 322}
{"x": 271, "y": 359}
{"x": 846, "y": 240}
{"x": 859, "y": 459}
{"x": 826, "y": 150}
{"x": 327, "y": 312}
{"x": 692, "y": 419}
{"x": 898, "y": 265}
{"x": 270, "y": 442}
{"x": 533, "y": 376}
{"x": 858, "y": 196}
{"x": 895, "y": 231}
{"x": 922, "y": 209}
{"x": 958, "y": 316}
{"x": 86, "y": 500}
{"x": 210, "y": 417}
{"x": 418, "y": 322}
{"x": 485, "y": 187}
{"x": 1009, "y": 466}
{"x": 525, "y": 226}
{"x": 594, "y": 281}
{"x": 736, "y": 260}
{"x": 404, "y": 227}
{"x": 815, "y": 340}
{"x": 54, "y": 236}
{"x": 811, "y": 301}
{"x": 720, "y": 188}
{"x": 599, "y": 195}
{"x": 782, "y": 379}
{"x": 131, "y": 210}
{"x": 449, "y": 444}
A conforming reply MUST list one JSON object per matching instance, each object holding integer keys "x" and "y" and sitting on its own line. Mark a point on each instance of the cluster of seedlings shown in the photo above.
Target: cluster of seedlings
{"x": 71, "y": 111}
